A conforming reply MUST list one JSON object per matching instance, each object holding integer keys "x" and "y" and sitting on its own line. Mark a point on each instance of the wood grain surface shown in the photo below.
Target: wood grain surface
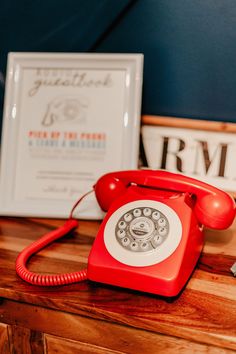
{"x": 201, "y": 319}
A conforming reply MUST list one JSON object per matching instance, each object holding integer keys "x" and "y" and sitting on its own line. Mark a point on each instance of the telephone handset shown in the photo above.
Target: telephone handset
{"x": 152, "y": 235}
{"x": 214, "y": 208}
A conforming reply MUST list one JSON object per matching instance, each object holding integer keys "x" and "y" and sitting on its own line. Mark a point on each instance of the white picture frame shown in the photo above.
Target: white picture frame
{"x": 68, "y": 119}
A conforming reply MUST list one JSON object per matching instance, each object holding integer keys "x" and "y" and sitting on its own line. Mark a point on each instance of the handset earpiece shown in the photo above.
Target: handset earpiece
{"x": 107, "y": 189}
{"x": 216, "y": 211}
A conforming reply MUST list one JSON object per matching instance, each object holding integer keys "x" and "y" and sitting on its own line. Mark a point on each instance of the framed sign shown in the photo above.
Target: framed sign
{"x": 201, "y": 149}
{"x": 68, "y": 119}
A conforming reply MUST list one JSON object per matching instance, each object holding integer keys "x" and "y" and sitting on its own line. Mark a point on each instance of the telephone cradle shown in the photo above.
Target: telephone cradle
{"x": 152, "y": 235}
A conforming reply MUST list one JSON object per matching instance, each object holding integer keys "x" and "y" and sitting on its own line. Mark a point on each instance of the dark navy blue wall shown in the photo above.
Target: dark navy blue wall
{"x": 54, "y": 26}
{"x": 190, "y": 55}
{"x": 189, "y": 46}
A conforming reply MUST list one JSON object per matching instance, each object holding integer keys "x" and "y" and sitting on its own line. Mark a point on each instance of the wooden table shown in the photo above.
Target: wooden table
{"x": 95, "y": 318}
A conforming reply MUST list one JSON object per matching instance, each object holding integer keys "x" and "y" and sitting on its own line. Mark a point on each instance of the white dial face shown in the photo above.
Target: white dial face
{"x": 142, "y": 233}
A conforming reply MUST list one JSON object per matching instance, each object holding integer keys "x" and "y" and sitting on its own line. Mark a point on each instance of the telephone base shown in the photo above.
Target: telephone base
{"x": 140, "y": 281}
{"x": 163, "y": 270}
{"x": 167, "y": 278}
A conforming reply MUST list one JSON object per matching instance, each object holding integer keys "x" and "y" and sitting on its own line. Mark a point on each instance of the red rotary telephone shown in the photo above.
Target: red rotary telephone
{"x": 152, "y": 235}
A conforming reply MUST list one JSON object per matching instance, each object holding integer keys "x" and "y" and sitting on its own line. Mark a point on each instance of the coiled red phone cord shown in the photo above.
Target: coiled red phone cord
{"x": 51, "y": 279}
